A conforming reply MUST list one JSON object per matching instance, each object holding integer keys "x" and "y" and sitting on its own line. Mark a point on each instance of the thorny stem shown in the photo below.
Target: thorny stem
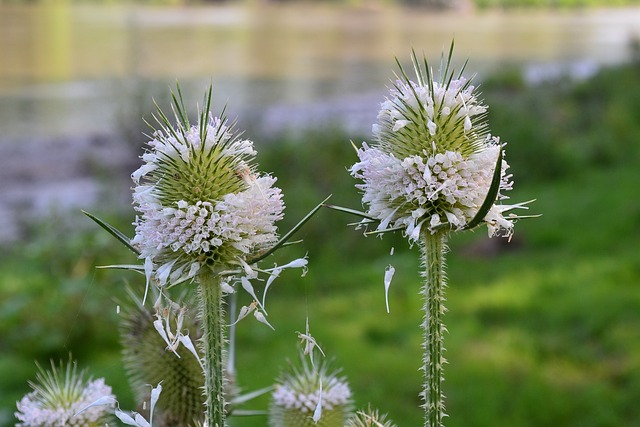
{"x": 433, "y": 248}
{"x": 212, "y": 312}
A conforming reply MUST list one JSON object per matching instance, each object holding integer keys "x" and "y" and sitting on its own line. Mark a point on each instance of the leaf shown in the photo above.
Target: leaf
{"x": 247, "y": 413}
{"x": 287, "y": 236}
{"x": 351, "y": 211}
{"x": 386, "y": 230}
{"x": 113, "y": 231}
{"x": 243, "y": 398}
{"x": 491, "y": 195}
{"x": 131, "y": 267}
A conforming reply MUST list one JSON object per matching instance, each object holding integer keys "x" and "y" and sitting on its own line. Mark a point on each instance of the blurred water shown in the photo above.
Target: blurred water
{"x": 68, "y": 69}
{"x": 75, "y": 80}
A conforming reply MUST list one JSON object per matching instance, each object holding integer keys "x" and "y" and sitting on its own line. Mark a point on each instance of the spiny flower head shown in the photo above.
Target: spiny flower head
{"x": 200, "y": 199}
{"x": 59, "y": 396}
{"x": 298, "y": 394}
{"x": 433, "y": 163}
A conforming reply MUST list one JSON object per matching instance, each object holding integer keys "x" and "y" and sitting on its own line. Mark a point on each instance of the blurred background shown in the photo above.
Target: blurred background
{"x": 544, "y": 330}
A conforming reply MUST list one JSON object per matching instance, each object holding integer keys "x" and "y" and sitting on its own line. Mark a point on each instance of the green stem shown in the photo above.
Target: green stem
{"x": 212, "y": 312}
{"x": 433, "y": 247}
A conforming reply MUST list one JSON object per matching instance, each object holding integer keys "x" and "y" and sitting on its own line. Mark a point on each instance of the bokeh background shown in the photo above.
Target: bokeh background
{"x": 544, "y": 330}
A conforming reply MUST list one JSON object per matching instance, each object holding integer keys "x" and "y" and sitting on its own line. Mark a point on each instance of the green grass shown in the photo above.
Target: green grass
{"x": 543, "y": 331}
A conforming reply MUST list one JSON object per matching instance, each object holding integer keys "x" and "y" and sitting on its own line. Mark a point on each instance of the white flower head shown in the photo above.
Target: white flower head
{"x": 200, "y": 200}
{"x": 60, "y": 398}
{"x": 433, "y": 161}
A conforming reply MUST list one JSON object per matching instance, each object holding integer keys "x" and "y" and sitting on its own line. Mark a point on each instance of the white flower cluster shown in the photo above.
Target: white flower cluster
{"x": 200, "y": 202}
{"x": 335, "y": 394}
{"x": 243, "y": 221}
{"x": 419, "y": 190}
{"x": 36, "y": 410}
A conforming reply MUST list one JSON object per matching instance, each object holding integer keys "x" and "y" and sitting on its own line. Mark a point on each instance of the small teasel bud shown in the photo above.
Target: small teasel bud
{"x": 62, "y": 397}
{"x": 309, "y": 396}
{"x": 369, "y": 418}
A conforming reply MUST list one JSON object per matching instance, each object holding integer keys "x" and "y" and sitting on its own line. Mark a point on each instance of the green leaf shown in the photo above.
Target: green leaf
{"x": 113, "y": 231}
{"x": 351, "y": 211}
{"x": 248, "y": 413}
{"x": 491, "y": 195}
{"x": 130, "y": 267}
{"x": 287, "y": 236}
{"x": 243, "y": 398}
{"x": 386, "y": 230}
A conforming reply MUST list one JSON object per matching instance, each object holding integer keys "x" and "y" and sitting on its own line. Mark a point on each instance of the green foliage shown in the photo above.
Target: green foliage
{"x": 561, "y": 129}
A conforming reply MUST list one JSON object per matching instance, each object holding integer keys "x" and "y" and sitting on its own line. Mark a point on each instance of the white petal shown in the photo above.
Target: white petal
{"x": 296, "y": 263}
{"x": 186, "y": 341}
{"x": 141, "y": 421}
{"x": 126, "y": 418}
{"x": 246, "y": 285}
{"x": 467, "y": 124}
{"x": 244, "y": 312}
{"x": 157, "y": 324}
{"x": 318, "y": 411}
{"x": 104, "y": 400}
{"x": 227, "y": 288}
{"x": 388, "y": 276}
{"x": 260, "y": 317}
{"x": 148, "y": 270}
{"x": 400, "y": 124}
{"x": 275, "y": 273}
{"x": 162, "y": 273}
{"x": 155, "y": 395}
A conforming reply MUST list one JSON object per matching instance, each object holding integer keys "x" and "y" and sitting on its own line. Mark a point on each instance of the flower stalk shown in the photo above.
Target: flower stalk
{"x": 433, "y": 169}
{"x": 213, "y": 324}
{"x": 433, "y": 259}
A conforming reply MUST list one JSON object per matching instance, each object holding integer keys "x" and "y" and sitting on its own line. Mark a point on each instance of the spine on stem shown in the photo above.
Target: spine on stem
{"x": 433, "y": 258}
{"x": 212, "y": 313}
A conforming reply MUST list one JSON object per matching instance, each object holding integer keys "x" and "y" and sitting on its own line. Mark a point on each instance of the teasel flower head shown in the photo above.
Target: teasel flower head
{"x": 434, "y": 164}
{"x": 369, "y": 418}
{"x": 60, "y": 398}
{"x": 310, "y": 396}
{"x": 200, "y": 200}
